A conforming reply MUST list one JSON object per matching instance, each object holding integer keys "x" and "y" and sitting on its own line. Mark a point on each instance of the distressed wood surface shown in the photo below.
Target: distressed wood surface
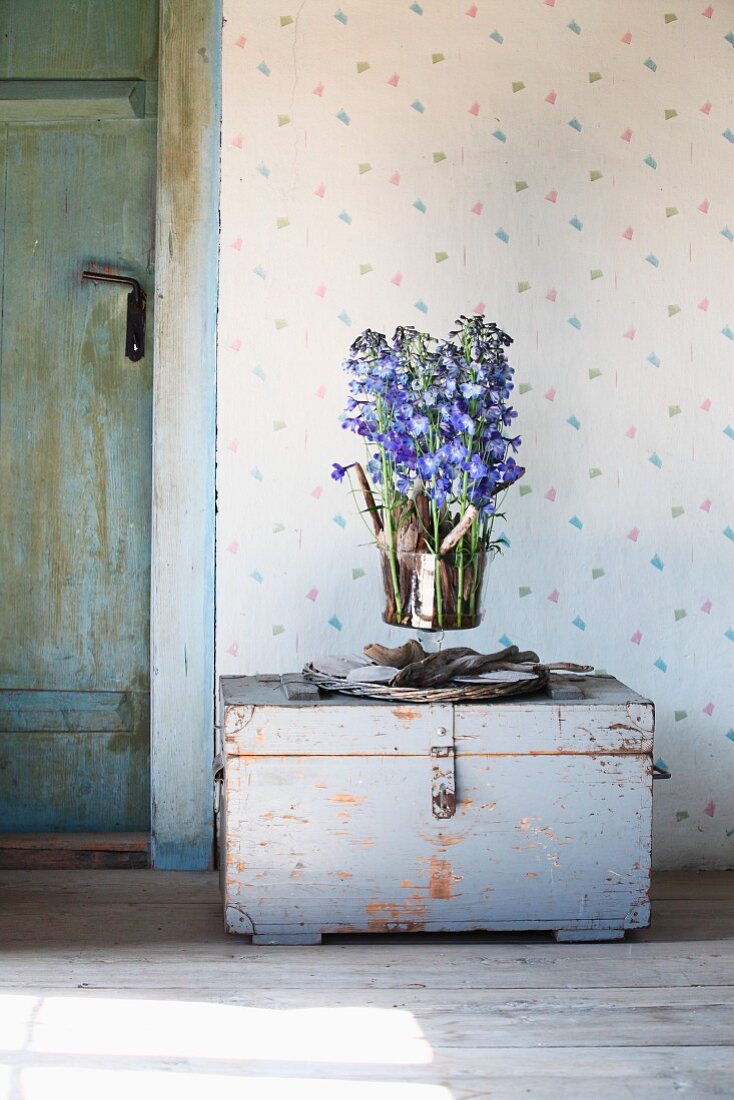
{"x": 92, "y": 842}
{"x": 78, "y": 39}
{"x": 76, "y": 415}
{"x": 50, "y": 851}
{"x": 80, "y": 711}
{"x": 75, "y": 460}
{"x": 54, "y": 100}
{"x": 259, "y": 720}
{"x": 572, "y": 726}
{"x": 265, "y": 690}
{"x": 535, "y": 842}
{"x": 551, "y": 830}
{"x": 182, "y": 600}
{"x": 382, "y": 729}
{"x": 3, "y": 197}
{"x": 77, "y": 781}
{"x": 480, "y": 1018}
{"x": 399, "y": 729}
{"x": 129, "y": 975}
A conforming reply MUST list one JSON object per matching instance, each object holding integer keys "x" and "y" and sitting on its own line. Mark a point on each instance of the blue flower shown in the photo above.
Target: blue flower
{"x": 420, "y": 425}
{"x": 461, "y": 421}
{"x": 435, "y": 410}
{"x": 428, "y": 464}
{"x": 476, "y": 468}
{"x": 338, "y": 471}
{"x": 374, "y": 469}
{"x": 454, "y": 452}
{"x": 497, "y": 445}
{"x": 510, "y": 471}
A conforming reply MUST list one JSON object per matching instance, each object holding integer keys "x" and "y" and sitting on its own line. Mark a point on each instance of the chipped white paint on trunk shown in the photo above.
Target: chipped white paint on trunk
{"x": 327, "y": 822}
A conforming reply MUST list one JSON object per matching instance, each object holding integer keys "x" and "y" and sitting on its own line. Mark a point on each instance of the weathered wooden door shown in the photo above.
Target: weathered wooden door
{"x": 77, "y": 190}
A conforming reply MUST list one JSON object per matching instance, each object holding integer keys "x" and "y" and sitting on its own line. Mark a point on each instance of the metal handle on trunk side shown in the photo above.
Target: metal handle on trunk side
{"x": 218, "y": 777}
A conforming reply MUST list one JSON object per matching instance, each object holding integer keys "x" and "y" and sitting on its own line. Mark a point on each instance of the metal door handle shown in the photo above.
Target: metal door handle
{"x": 135, "y": 334}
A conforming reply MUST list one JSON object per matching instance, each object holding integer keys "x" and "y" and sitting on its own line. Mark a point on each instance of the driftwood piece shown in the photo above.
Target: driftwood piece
{"x": 567, "y": 666}
{"x": 440, "y": 668}
{"x": 423, "y": 512}
{"x": 431, "y": 669}
{"x": 403, "y": 655}
{"x": 369, "y": 500}
{"x": 408, "y": 535}
{"x": 459, "y": 531}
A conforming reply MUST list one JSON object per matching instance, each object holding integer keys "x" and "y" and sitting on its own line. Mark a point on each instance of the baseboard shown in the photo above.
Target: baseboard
{"x": 74, "y": 851}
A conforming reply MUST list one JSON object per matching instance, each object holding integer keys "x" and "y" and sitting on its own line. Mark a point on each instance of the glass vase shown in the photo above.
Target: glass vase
{"x": 427, "y": 591}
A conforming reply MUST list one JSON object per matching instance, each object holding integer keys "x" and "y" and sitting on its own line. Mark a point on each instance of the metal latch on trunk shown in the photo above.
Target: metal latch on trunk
{"x": 443, "y": 782}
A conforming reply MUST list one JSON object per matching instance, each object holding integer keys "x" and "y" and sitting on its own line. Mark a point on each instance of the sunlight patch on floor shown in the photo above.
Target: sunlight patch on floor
{"x": 119, "y": 1084}
{"x": 87, "y": 1047}
{"x": 197, "y": 1029}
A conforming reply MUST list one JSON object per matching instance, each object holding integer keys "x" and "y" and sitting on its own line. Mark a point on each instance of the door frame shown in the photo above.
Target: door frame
{"x": 184, "y": 435}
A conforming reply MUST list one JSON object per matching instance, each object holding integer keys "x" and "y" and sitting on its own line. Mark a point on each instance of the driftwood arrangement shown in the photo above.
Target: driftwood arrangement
{"x": 424, "y": 578}
{"x": 438, "y": 669}
{"x": 412, "y": 524}
{"x": 424, "y": 588}
{"x": 410, "y": 674}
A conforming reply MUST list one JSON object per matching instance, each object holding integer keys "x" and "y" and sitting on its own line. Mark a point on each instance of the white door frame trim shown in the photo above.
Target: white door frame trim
{"x": 184, "y": 419}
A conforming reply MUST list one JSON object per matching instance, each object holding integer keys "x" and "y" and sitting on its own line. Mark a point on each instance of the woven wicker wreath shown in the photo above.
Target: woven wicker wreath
{"x": 409, "y": 675}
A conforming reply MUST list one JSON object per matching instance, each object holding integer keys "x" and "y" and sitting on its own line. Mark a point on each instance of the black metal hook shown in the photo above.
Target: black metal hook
{"x": 135, "y": 334}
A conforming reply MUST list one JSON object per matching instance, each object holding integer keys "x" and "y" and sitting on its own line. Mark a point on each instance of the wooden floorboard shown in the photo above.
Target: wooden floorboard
{"x": 74, "y": 851}
{"x": 124, "y": 984}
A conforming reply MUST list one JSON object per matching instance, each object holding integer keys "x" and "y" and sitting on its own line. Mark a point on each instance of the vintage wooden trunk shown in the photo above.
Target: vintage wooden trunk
{"x": 345, "y": 815}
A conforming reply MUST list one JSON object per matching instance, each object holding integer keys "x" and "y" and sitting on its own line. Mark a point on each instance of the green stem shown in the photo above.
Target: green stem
{"x": 439, "y": 595}
{"x": 474, "y": 545}
{"x": 387, "y": 503}
{"x": 390, "y": 539}
{"x": 459, "y": 552}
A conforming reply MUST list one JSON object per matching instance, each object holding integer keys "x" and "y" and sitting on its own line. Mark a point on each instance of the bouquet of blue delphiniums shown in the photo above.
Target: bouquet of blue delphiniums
{"x": 436, "y": 418}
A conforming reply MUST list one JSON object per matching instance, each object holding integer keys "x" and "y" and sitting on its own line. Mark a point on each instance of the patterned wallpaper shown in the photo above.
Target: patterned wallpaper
{"x": 567, "y": 169}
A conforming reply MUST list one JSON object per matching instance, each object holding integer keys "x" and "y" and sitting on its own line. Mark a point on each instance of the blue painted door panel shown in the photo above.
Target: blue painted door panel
{"x": 75, "y": 425}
